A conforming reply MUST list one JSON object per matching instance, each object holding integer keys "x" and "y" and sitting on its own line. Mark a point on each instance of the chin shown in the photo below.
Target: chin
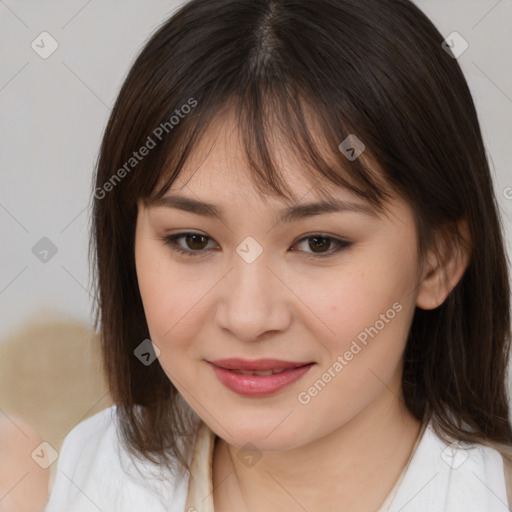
{"x": 267, "y": 432}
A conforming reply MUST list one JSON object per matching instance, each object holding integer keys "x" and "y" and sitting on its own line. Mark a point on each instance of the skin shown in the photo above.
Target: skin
{"x": 349, "y": 444}
{"x": 23, "y": 483}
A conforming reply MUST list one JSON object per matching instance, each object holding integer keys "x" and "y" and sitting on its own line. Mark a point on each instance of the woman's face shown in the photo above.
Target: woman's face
{"x": 253, "y": 286}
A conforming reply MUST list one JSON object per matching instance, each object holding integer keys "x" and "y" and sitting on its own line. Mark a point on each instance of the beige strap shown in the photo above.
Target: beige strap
{"x": 200, "y": 485}
{"x": 507, "y": 464}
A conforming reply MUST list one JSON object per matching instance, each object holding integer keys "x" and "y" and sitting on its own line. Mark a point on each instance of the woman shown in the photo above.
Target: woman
{"x": 303, "y": 290}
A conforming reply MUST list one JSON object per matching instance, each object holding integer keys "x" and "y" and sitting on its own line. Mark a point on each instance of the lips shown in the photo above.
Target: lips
{"x": 259, "y": 365}
{"x": 258, "y": 378}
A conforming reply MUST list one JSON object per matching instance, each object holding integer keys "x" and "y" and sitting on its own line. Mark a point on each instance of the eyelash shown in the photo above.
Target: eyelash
{"x": 170, "y": 241}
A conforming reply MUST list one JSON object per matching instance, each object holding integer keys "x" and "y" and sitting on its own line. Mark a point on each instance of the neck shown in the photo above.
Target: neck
{"x": 356, "y": 465}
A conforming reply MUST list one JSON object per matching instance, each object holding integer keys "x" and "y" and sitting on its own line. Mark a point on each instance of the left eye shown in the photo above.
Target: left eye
{"x": 197, "y": 243}
{"x": 317, "y": 243}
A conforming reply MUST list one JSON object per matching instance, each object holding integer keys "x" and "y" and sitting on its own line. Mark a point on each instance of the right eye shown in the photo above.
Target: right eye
{"x": 195, "y": 242}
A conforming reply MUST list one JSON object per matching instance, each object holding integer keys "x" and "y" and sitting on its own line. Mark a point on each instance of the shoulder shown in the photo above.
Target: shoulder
{"x": 453, "y": 476}
{"x": 95, "y": 471}
{"x": 90, "y": 433}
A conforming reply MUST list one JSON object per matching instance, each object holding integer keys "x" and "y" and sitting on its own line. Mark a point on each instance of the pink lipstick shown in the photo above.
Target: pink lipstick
{"x": 261, "y": 377}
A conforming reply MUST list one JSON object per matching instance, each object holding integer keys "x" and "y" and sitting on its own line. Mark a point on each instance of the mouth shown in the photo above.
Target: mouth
{"x": 258, "y": 365}
{"x": 260, "y": 377}
{"x": 255, "y": 372}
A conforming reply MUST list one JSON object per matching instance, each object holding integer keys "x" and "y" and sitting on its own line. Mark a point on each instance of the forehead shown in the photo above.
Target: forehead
{"x": 217, "y": 180}
{"x": 219, "y": 166}
{"x": 215, "y": 198}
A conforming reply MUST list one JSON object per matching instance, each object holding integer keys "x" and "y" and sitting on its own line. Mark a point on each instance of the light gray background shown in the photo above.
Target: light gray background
{"x": 53, "y": 113}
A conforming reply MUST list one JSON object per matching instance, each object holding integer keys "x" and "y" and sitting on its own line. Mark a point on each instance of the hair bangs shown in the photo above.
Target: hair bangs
{"x": 270, "y": 123}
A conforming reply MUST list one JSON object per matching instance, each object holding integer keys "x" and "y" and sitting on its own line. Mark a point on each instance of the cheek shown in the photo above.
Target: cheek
{"x": 367, "y": 308}
{"x": 370, "y": 314}
{"x": 174, "y": 301}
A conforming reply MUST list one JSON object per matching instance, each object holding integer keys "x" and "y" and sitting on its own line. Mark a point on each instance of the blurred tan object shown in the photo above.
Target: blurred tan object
{"x": 51, "y": 378}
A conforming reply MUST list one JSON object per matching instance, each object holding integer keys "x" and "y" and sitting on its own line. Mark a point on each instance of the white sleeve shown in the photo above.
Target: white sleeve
{"x": 77, "y": 463}
{"x": 96, "y": 474}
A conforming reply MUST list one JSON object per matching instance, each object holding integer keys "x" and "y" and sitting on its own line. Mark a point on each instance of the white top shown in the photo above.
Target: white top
{"x": 95, "y": 473}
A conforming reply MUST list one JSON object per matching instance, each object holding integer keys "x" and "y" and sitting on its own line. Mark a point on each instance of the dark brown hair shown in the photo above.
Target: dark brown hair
{"x": 311, "y": 70}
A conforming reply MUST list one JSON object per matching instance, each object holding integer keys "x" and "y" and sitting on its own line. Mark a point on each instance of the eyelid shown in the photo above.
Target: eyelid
{"x": 340, "y": 242}
{"x": 170, "y": 241}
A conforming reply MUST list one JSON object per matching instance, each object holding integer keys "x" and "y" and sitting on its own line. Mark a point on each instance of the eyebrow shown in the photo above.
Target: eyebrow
{"x": 290, "y": 214}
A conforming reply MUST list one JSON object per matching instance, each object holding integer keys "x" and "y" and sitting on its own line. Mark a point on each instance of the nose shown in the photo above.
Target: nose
{"x": 253, "y": 301}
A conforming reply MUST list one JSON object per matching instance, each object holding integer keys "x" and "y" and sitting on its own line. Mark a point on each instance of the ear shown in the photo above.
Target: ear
{"x": 444, "y": 267}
